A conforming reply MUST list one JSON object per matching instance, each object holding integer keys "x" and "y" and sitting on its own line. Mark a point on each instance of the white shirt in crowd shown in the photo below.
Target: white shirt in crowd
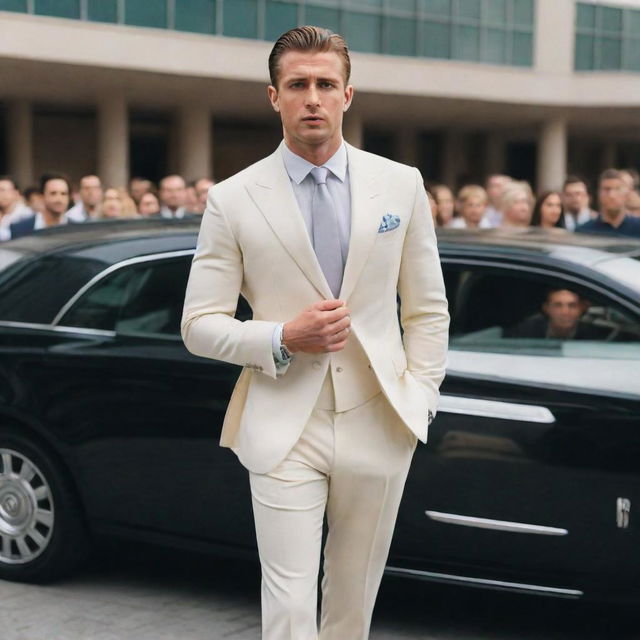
{"x": 20, "y": 211}
{"x": 461, "y": 223}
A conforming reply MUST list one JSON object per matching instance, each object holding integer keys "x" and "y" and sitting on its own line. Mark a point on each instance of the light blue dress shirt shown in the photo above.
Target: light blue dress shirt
{"x": 303, "y": 186}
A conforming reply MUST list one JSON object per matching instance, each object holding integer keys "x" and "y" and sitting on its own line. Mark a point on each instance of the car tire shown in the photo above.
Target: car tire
{"x": 43, "y": 535}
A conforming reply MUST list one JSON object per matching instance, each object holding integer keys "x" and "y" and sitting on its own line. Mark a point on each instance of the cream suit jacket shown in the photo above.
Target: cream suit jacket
{"x": 253, "y": 241}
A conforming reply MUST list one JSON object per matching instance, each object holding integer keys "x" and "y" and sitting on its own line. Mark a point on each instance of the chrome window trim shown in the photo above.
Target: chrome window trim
{"x": 496, "y": 584}
{"x": 60, "y": 329}
{"x": 115, "y": 267}
{"x": 495, "y": 409}
{"x": 496, "y": 525}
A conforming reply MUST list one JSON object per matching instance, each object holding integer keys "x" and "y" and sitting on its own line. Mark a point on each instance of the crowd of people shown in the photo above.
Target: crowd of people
{"x": 502, "y": 202}
{"x": 54, "y": 202}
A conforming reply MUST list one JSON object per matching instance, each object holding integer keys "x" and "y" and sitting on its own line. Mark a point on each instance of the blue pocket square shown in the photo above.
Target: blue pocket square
{"x": 389, "y": 222}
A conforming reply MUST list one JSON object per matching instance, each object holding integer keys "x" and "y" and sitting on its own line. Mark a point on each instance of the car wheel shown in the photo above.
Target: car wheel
{"x": 42, "y": 530}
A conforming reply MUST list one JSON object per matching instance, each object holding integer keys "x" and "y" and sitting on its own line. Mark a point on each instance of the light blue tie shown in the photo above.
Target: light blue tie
{"x": 326, "y": 236}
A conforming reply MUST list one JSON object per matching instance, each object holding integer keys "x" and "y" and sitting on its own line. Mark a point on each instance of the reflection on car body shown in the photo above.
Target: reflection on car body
{"x": 109, "y": 426}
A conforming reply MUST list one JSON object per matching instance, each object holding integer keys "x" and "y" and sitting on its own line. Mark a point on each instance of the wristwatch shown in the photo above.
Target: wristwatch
{"x": 285, "y": 355}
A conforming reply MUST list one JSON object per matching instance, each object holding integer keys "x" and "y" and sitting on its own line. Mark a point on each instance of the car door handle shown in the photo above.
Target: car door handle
{"x": 495, "y": 409}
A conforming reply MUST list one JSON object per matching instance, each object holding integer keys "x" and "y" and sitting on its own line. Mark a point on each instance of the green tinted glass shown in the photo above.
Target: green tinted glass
{"x": 435, "y": 7}
{"x": 401, "y": 36}
{"x": 468, "y": 9}
{"x": 632, "y": 55}
{"x": 584, "y": 53}
{"x": 611, "y": 19}
{"x": 365, "y": 3}
{"x": 241, "y": 18}
{"x": 495, "y": 45}
{"x": 58, "y": 8}
{"x": 496, "y": 11}
{"x": 633, "y": 23}
{"x": 610, "y": 53}
{"x": 522, "y": 52}
{"x": 363, "y": 31}
{"x": 146, "y": 13}
{"x": 13, "y": 5}
{"x": 280, "y": 17}
{"x": 466, "y": 43}
{"x": 327, "y": 18}
{"x": 198, "y": 16}
{"x": 102, "y": 10}
{"x": 403, "y": 5}
{"x": 586, "y": 16}
{"x": 523, "y": 12}
{"x": 436, "y": 40}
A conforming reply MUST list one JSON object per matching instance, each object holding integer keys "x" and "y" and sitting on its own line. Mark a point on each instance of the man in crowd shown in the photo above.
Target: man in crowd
{"x": 202, "y": 189}
{"x": 56, "y": 190}
{"x": 138, "y": 187}
{"x": 320, "y": 237}
{"x": 496, "y": 184}
{"x": 88, "y": 206}
{"x": 560, "y": 320}
{"x": 575, "y": 198}
{"x": 613, "y": 218}
{"x": 173, "y": 197}
{"x": 12, "y": 208}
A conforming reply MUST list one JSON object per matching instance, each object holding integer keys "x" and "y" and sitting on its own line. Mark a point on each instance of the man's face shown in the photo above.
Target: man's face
{"x": 311, "y": 98}
{"x": 173, "y": 192}
{"x": 8, "y": 195}
{"x": 137, "y": 188}
{"x": 612, "y": 194}
{"x": 91, "y": 191}
{"x": 563, "y": 309}
{"x": 576, "y": 197}
{"x": 56, "y": 197}
{"x": 495, "y": 187}
{"x": 473, "y": 208}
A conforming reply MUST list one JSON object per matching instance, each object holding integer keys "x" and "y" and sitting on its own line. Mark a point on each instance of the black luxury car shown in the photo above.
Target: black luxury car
{"x": 108, "y": 426}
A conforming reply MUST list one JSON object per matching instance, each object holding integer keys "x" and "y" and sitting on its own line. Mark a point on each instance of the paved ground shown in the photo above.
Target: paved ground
{"x": 149, "y": 594}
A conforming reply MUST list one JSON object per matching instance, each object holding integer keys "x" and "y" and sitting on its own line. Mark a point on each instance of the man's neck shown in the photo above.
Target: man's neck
{"x": 51, "y": 218}
{"x": 4, "y": 211}
{"x": 614, "y": 218}
{"x": 316, "y": 155}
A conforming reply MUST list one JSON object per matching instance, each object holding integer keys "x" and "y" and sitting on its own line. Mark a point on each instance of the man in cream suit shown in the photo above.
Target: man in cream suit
{"x": 320, "y": 238}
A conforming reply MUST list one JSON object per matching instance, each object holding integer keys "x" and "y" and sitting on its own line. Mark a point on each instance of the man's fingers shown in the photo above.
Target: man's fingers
{"x": 327, "y": 305}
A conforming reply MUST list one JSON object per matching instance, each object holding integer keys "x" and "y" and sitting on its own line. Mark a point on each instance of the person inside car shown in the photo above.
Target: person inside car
{"x": 560, "y": 319}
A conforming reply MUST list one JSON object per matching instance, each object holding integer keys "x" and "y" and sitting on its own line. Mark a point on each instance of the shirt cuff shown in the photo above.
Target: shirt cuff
{"x": 280, "y": 359}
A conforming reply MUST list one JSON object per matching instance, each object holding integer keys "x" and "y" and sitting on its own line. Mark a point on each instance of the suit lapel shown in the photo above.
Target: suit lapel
{"x": 274, "y": 197}
{"x": 366, "y": 213}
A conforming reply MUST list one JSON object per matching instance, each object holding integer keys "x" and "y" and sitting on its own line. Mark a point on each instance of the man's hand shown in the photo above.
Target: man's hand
{"x": 320, "y": 328}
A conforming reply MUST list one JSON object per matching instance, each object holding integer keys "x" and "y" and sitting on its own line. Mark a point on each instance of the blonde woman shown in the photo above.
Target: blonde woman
{"x": 516, "y": 204}
{"x": 117, "y": 203}
{"x": 472, "y": 205}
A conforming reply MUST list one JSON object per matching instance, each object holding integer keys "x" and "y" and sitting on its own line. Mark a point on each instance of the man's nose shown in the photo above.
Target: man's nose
{"x": 313, "y": 96}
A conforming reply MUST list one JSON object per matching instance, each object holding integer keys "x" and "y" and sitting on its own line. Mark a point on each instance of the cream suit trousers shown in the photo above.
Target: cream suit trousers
{"x": 353, "y": 465}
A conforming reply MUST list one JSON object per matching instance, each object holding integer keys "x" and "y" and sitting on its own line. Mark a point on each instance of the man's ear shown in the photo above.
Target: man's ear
{"x": 348, "y": 97}
{"x": 272, "y": 93}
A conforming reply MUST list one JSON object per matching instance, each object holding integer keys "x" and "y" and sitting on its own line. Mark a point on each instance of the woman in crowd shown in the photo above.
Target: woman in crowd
{"x": 117, "y": 203}
{"x": 472, "y": 205}
{"x": 516, "y": 203}
{"x": 548, "y": 211}
{"x": 444, "y": 200}
{"x": 149, "y": 205}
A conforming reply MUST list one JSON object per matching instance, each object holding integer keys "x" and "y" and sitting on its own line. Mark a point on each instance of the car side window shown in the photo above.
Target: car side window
{"x": 531, "y": 314}
{"x": 139, "y": 299}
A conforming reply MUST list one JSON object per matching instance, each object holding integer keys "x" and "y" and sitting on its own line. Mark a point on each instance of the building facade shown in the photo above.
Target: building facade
{"x": 460, "y": 88}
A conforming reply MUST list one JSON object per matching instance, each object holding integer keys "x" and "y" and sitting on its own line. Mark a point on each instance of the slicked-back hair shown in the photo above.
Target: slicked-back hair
{"x": 308, "y": 38}
{"x": 7, "y": 178}
{"x": 610, "y": 174}
{"x": 46, "y": 177}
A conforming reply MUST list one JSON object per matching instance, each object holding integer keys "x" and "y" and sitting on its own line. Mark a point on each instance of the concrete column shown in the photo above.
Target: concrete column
{"x": 552, "y": 154}
{"x": 113, "y": 141}
{"x": 454, "y": 161}
{"x": 353, "y": 129}
{"x": 554, "y": 37}
{"x": 609, "y": 155}
{"x": 20, "y": 142}
{"x": 496, "y": 154}
{"x": 194, "y": 143}
{"x": 408, "y": 146}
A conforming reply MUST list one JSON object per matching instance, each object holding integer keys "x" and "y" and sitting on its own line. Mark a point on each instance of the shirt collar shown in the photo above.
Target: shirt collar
{"x": 298, "y": 168}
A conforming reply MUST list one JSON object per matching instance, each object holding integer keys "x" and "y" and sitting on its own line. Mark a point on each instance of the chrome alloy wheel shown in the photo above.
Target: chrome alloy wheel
{"x": 26, "y": 509}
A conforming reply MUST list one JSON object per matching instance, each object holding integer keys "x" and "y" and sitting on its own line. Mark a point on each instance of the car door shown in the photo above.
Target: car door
{"x": 531, "y": 461}
{"x": 141, "y": 414}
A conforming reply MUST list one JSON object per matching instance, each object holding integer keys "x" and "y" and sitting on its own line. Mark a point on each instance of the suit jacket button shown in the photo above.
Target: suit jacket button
{"x": 316, "y": 365}
{"x": 339, "y": 369}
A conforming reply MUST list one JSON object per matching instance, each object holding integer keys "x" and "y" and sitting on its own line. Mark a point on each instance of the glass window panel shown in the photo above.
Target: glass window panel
{"x": 363, "y": 31}
{"x": 523, "y": 12}
{"x": 468, "y": 9}
{"x": 495, "y": 46}
{"x": 327, "y": 18}
{"x": 280, "y": 18}
{"x": 146, "y": 13}
{"x": 401, "y": 36}
{"x": 435, "y": 7}
{"x": 436, "y": 40}
{"x": 584, "y": 53}
{"x": 611, "y": 19}
{"x": 632, "y": 55}
{"x": 610, "y": 53}
{"x": 522, "y": 52}
{"x": 58, "y": 8}
{"x": 103, "y": 10}
{"x": 466, "y": 43}
{"x": 586, "y": 16}
{"x": 496, "y": 11}
{"x": 403, "y": 5}
{"x": 241, "y": 18}
{"x": 633, "y": 22}
{"x": 365, "y": 3}
{"x": 198, "y": 16}
{"x": 13, "y": 5}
